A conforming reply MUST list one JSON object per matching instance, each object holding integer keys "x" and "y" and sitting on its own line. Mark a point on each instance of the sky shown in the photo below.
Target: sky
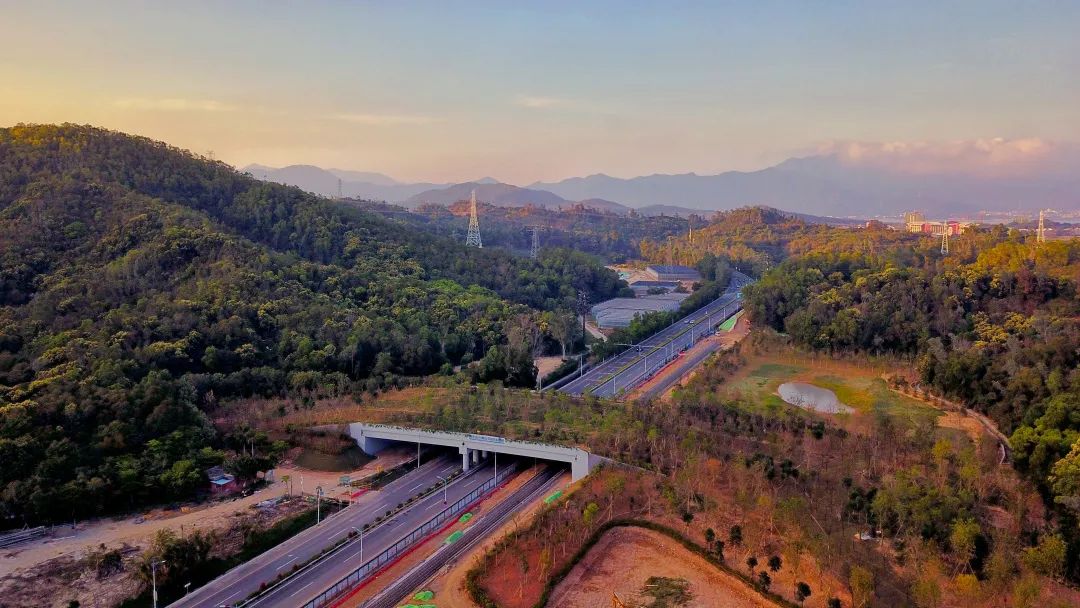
{"x": 451, "y": 91}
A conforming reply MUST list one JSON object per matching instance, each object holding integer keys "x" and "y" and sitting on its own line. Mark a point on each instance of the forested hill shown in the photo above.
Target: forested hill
{"x": 141, "y": 285}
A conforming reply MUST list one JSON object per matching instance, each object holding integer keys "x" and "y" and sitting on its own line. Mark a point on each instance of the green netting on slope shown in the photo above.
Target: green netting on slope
{"x": 730, "y": 323}
{"x": 553, "y": 497}
{"x": 453, "y": 538}
{"x": 424, "y": 595}
{"x": 464, "y": 518}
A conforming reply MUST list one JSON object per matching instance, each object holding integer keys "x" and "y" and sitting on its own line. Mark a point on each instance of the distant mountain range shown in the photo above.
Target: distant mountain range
{"x": 823, "y": 185}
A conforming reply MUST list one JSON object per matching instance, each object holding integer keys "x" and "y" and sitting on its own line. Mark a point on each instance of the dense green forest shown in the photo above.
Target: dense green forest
{"x": 994, "y": 325}
{"x": 141, "y": 285}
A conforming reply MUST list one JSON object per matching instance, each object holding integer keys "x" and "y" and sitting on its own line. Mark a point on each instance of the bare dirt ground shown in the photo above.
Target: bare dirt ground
{"x": 546, "y": 365}
{"x": 445, "y": 596}
{"x": 626, "y": 557}
{"x": 138, "y": 530}
{"x": 75, "y": 575}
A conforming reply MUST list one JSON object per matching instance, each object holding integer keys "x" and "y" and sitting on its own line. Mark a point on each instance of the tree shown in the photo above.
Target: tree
{"x": 962, "y": 539}
{"x": 834, "y": 602}
{"x": 1047, "y": 557}
{"x": 735, "y": 535}
{"x": 802, "y": 591}
{"x": 751, "y": 562}
{"x": 764, "y": 580}
{"x": 710, "y": 537}
{"x": 861, "y": 581}
{"x": 775, "y": 563}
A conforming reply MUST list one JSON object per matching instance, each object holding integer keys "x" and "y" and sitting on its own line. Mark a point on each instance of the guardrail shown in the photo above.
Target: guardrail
{"x": 357, "y": 576}
{"x": 14, "y": 538}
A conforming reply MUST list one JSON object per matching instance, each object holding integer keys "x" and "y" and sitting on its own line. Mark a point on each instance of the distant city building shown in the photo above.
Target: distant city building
{"x": 913, "y": 217}
{"x": 673, "y": 273}
{"x": 953, "y": 227}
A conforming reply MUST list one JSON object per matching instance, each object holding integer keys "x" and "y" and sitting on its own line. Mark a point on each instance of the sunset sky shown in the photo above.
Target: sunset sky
{"x": 449, "y": 91}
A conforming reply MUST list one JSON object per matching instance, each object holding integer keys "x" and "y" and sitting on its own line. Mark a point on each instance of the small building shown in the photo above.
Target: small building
{"x": 220, "y": 481}
{"x": 644, "y": 287}
{"x": 673, "y": 273}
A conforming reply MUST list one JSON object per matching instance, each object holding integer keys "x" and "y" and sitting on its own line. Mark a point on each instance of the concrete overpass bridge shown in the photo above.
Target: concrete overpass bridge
{"x": 372, "y": 438}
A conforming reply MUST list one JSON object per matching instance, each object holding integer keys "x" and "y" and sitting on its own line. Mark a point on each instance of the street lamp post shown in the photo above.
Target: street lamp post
{"x": 445, "y": 481}
{"x": 318, "y": 504}
{"x": 361, "y": 533}
{"x": 153, "y": 578}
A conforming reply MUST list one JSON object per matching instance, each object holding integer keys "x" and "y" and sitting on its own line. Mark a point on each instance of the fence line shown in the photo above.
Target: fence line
{"x": 357, "y": 576}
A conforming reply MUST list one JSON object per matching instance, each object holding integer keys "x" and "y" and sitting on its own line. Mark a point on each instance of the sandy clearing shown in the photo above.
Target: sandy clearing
{"x": 626, "y": 557}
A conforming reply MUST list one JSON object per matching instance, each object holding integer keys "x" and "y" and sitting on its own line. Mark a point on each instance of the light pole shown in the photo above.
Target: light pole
{"x": 318, "y": 504}
{"x": 496, "y": 467}
{"x": 153, "y": 577}
{"x": 444, "y": 482}
{"x": 361, "y": 533}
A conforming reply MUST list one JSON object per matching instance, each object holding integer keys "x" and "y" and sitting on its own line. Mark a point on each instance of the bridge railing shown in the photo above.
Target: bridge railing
{"x": 354, "y": 578}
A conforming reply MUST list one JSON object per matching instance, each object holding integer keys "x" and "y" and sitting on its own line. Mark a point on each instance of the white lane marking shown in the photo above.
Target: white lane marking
{"x": 233, "y": 595}
{"x": 288, "y": 562}
{"x": 302, "y": 588}
{"x": 416, "y": 486}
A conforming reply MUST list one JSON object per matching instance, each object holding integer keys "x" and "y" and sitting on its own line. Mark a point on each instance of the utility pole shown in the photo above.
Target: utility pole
{"x": 473, "y": 238}
{"x": 318, "y": 504}
{"x": 945, "y": 241}
{"x": 153, "y": 578}
{"x": 1041, "y": 236}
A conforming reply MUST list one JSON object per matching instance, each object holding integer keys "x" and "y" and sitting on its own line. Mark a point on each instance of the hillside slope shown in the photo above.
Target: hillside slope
{"x": 140, "y": 286}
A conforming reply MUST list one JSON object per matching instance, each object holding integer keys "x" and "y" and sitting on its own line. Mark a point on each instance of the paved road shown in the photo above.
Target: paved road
{"x": 636, "y": 364}
{"x": 488, "y": 522}
{"x": 238, "y": 583}
{"x": 312, "y": 582}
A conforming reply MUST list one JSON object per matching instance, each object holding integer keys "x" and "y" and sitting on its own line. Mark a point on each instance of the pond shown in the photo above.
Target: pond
{"x": 812, "y": 397}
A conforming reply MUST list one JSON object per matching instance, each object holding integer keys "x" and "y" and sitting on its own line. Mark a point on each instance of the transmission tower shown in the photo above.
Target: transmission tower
{"x": 1041, "y": 236}
{"x": 945, "y": 241}
{"x": 535, "y": 252}
{"x": 473, "y": 238}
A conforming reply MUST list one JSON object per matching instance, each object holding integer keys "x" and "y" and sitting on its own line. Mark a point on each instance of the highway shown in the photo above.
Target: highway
{"x": 487, "y": 523}
{"x": 310, "y": 583}
{"x": 237, "y": 584}
{"x": 633, "y": 365}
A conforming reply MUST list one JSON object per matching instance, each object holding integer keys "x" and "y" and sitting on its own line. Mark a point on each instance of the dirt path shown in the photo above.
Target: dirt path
{"x": 626, "y": 557}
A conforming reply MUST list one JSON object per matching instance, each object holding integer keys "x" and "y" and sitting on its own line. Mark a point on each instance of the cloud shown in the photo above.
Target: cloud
{"x": 384, "y": 120}
{"x": 537, "y": 102}
{"x": 174, "y": 104}
{"x": 987, "y": 156}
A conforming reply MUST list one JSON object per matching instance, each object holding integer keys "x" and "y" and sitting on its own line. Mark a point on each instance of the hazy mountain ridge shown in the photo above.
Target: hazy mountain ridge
{"x": 823, "y": 185}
